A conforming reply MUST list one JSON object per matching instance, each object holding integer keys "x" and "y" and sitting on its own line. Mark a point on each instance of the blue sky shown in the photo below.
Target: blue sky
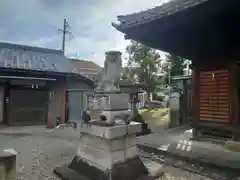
{"x": 35, "y": 22}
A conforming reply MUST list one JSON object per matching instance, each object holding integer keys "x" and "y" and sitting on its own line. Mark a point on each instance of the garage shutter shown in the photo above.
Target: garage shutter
{"x": 27, "y": 107}
{"x": 214, "y": 96}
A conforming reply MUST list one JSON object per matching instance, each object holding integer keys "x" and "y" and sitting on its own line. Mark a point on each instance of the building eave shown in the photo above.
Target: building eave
{"x": 47, "y": 74}
{"x": 162, "y": 11}
{"x": 199, "y": 31}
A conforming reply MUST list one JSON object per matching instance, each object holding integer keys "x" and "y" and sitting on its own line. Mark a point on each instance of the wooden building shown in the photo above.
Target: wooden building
{"x": 39, "y": 85}
{"x": 206, "y": 32}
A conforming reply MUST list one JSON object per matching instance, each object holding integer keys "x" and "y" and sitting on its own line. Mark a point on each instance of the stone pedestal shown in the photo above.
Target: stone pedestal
{"x": 112, "y": 106}
{"x": 108, "y": 153}
{"x": 7, "y": 166}
{"x": 232, "y": 145}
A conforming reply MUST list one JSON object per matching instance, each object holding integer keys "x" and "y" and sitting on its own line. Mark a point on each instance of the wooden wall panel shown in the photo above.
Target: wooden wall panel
{"x": 214, "y": 96}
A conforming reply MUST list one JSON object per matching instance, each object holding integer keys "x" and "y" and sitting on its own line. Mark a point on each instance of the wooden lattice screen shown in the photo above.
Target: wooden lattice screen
{"x": 214, "y": 96}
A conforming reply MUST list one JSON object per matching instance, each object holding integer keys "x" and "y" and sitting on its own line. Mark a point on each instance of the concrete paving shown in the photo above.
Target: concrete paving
{"x": 177, "y": 142}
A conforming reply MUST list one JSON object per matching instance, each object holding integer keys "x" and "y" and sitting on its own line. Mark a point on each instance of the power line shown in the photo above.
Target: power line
{"x": 65, "y": 31}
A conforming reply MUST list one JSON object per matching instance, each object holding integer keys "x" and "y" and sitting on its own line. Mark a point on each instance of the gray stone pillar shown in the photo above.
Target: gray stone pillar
{"x": 174, "y": 109}
{"x": 112, "y": 70}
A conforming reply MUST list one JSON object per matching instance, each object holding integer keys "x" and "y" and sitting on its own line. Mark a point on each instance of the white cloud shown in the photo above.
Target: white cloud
{"x": 35, "y": 22}
{"x": 99, "y": 18}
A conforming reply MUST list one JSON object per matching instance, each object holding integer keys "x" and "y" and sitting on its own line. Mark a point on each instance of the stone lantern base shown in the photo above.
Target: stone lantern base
{"x": 106, "y": 153}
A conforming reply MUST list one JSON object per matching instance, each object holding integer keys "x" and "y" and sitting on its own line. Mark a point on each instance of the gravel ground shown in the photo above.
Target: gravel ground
{"x": 171, "y": 173}
{"x": 41, "y": 151}
{"x": 182, "y": 169}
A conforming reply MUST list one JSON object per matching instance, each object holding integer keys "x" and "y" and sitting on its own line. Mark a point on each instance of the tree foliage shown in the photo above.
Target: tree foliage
{"x": 177, "y": 66}
{"x": 143, "y": 65}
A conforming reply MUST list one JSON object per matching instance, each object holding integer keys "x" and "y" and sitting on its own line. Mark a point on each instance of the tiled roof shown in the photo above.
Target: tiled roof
{"x": 33, "y": 58}
{"x": 86, "y": 65}
{"x": 158, "y": 12}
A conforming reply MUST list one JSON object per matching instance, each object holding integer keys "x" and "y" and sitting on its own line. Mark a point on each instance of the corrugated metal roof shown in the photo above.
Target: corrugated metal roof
{"x": 33, "y": 58}
{"x": 158, "y": 12}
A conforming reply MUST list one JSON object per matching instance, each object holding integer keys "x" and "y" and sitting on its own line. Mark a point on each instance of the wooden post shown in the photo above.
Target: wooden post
{"x": 234, "y": 100}
{"x": 184, "y": 102}
{"x": 195, "y": 99}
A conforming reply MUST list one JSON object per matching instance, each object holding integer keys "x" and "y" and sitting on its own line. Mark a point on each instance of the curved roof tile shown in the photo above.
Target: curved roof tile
{"x": 158, "y": 12}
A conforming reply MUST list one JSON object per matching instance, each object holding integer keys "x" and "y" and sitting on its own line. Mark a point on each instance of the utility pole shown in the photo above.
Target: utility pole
{"x": 64, "y": 32}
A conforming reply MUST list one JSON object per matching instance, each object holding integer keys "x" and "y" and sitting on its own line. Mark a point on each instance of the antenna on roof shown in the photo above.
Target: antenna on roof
{"x": 65, "y": 31}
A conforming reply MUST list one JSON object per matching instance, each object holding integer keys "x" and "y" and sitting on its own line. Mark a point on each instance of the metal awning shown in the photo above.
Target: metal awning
{"x": 27, "y": 78}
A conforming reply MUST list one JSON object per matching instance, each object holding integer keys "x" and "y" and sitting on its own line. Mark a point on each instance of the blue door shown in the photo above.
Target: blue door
{"x": 74, "y": 105}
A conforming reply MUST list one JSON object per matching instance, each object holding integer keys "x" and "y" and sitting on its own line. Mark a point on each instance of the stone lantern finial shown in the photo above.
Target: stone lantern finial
{"x": 112, "y": 70}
